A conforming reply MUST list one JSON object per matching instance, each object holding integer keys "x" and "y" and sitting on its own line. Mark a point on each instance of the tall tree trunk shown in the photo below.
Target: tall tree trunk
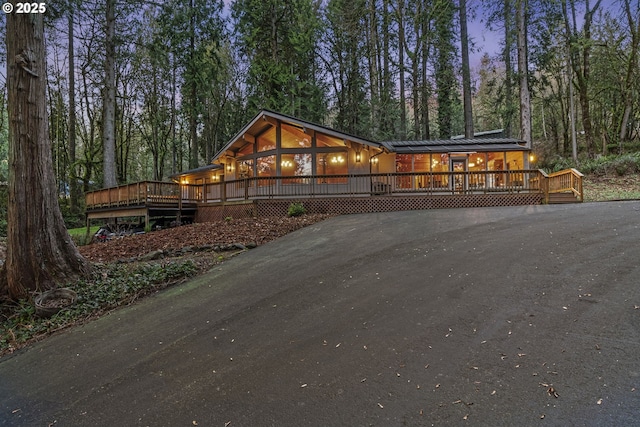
{"x": 174, "y": 148}
{"x": 466, "y": 72}
{"x": 509, "y": 108}
{"x": 523, "y": 72}
{"x": 401, "y": 66}
{"x": 424, "y": 82}
{"x": 109, "y": 99}
{"x": 73, "y": 173}
{"x": 193, "y": 93}
{"x": 444, "y": 67}
{"x": 386, "y": 92}
{"x": 40, "y": 252}
{"x": 581, "y": 63}
{"x": 632, "y": 65}
{"x": 570, "y": 58}
{"x": 374, "y": 73}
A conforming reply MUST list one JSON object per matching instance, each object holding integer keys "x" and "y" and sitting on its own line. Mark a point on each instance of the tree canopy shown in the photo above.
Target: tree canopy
{"x": 187, "y": 74}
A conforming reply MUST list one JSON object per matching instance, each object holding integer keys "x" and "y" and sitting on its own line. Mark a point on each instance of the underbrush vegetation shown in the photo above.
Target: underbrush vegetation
{"x": 612, "y": 165}
{"x": 109, "y": 287}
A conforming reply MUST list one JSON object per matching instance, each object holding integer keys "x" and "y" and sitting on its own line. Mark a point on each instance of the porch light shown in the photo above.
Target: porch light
{"x": 337, "y": 160}
{"x": 286, "y": 164}
{"x": 532, "y": 158}
{"x": 374, "y": 160}
{"x": 358, "y": 157}
{"x": 228, "y": 167}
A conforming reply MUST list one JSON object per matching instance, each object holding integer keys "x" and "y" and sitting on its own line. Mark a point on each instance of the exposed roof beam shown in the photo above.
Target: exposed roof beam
{"x": 269, "y": 120}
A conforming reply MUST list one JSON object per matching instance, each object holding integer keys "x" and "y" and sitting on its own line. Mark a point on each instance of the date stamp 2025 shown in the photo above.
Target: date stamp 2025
{"x": 24, "y": 7}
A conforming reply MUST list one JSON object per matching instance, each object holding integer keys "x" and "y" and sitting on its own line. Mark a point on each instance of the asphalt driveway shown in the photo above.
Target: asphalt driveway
{"x": 525, "y": 316}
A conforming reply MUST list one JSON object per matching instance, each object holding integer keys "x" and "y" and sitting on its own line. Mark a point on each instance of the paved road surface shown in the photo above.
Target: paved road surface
{"x": 443, "y": 317}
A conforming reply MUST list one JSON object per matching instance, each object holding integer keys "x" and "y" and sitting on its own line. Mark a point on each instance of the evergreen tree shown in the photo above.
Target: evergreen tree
{"x": 279, "y": 39}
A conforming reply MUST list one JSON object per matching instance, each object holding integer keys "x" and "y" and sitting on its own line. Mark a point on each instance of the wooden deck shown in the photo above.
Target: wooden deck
{"x": 166, "y": 198}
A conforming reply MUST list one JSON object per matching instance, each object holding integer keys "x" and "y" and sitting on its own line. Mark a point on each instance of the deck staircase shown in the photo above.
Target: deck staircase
{"x": 563, "y": 187}
{"x": 561, "y": 198}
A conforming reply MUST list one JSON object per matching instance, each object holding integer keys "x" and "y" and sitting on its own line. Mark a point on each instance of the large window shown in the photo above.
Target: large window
{"x": 323, "y": 141}
{"x": 404, "y": 163}
{"x": 267, "y": 141}
{"x": 246, "y": 150}
{"x": 295, "y": 165}
{"x": 245, "y": 169}
{"x": 332, "y": 164}
{"x": 515, "y": 160}
{"x": 422, "y": 162}
{"x": 295, "y": 154}
{"x": 293, "y": 137}
{"x": 477, "y": 163}
{"x": 266, "y": 167}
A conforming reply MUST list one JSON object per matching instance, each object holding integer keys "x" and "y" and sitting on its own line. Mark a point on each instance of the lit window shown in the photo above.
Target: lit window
{"x": 267, "y": 141}
{"x": 293, "y": 137}
{"x": 332, "y": 164}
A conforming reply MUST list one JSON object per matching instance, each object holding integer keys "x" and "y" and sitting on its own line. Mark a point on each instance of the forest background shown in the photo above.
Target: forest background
{"x": 139, "y": 90}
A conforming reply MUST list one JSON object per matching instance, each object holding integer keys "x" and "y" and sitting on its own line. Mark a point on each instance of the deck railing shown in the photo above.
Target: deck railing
{"x": 142, "y": 193}
{"x": 428, "y": 183}
{"x": 565, "y": 181}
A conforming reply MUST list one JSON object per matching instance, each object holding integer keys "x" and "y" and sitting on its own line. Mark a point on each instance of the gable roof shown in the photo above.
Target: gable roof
{"x": 266, "y": 118}
{"x": 456, "y": 145}
{"x": 196, "y": 171}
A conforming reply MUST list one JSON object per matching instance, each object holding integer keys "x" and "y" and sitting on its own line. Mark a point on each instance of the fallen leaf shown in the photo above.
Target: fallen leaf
{"x": 552, "y": 392}
{"x": 303, "y": 385}
{"x": 380, "y": 405}
{"x": 599, "y": 402}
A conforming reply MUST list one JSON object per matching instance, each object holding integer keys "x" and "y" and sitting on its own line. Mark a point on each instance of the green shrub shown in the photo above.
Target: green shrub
{"x": 296, "y": 209}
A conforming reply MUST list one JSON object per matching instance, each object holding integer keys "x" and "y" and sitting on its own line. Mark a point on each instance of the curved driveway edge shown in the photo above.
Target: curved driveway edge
{"x": 490, "y": 317}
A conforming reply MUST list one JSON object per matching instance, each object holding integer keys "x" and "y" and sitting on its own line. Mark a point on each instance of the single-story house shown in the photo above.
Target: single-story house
{"x": 276, "y": 159}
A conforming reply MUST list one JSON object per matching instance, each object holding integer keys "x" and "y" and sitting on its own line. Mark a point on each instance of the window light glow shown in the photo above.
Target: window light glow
{"x": 337, "y": 159}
